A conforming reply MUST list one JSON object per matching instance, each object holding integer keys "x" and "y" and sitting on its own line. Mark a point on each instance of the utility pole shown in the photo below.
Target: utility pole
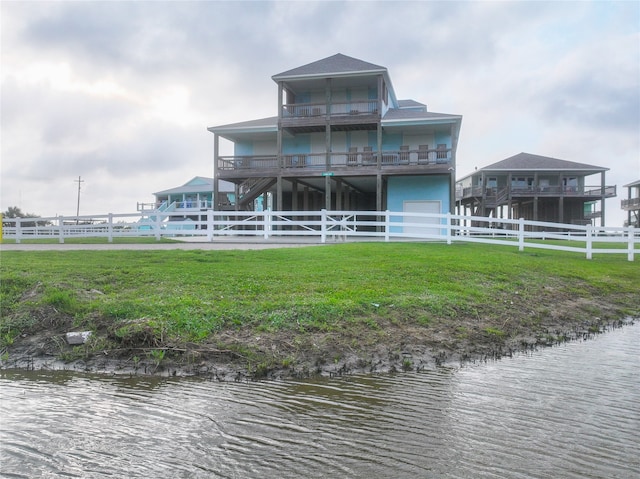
{"x": 79, "y": 180}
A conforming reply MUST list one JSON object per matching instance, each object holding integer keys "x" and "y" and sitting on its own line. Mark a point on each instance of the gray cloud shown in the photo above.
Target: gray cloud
{"x": 526, "y": 76}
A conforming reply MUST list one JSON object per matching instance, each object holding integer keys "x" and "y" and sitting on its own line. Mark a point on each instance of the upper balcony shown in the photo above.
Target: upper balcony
{"x": 356, "y": 161}
{"x": 341, "y": 115}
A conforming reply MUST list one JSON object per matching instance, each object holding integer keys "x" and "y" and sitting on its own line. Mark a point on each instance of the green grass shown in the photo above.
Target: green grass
{"x": 188, "y": 295}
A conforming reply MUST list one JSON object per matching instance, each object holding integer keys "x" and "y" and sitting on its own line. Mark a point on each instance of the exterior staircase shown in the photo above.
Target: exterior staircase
{"x": 251, "y": 188}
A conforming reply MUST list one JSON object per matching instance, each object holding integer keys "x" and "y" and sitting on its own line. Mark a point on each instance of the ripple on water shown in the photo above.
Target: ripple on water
{"x": 569, "y": 411}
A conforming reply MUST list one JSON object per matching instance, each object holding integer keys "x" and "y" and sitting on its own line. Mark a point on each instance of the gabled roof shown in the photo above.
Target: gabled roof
{"x": 197, "y": 184}
{"x": 338, "y": 64}
{"x": 529, "y": 162}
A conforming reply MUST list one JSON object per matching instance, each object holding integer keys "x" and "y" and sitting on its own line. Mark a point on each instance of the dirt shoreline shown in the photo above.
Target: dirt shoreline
{"x": 394, "y": 347}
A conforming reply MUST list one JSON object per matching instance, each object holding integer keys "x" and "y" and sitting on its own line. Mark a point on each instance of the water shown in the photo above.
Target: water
{"x": 572, "y": 411}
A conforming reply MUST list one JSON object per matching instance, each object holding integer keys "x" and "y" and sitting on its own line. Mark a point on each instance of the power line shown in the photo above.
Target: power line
{"x": 79, "y": 180}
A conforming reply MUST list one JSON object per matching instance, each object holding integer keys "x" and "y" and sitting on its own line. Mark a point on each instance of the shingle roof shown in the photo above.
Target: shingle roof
{"x": 336, "y": 64}
{"x": 261, "y": 123}
{"x": 529, "y": 162}
{"x": 410, "y": 104}
{"x": 203, "y": 184}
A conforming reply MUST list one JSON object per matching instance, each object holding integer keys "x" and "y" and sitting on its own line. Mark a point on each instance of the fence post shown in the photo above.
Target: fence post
{"x": 387, "y": 226}
{"x": 157, "y": 226}
{"x": 209, "y": 225}
{"x": 589, "y": 241}
{"x": 631, "y": 241}
{"x": 266, "y": 228}
{"x": 448, "y": 227}
{"x": 323, "y": 226}
{"x": 60, "y": 229}
{"x": 110, "y": 229}
{"x": 521, "y": 234}
{"x": 18, "y": 231}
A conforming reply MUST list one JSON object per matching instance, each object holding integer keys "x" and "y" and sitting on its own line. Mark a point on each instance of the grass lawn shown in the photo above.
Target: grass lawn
{"x": 182, "y": 296}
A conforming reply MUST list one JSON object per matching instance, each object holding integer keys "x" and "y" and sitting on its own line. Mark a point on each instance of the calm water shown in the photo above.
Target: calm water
{"x": 571, "y": 411}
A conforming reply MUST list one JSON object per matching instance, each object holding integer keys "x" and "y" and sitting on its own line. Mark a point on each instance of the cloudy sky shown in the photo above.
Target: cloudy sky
{"x": 122, "y": 93}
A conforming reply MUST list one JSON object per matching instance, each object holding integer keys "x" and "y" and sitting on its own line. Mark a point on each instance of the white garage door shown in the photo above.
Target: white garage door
{"x": 420, "y": 224}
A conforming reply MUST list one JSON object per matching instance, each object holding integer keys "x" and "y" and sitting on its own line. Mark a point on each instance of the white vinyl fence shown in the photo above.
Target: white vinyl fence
{"x": 362, "y": 225}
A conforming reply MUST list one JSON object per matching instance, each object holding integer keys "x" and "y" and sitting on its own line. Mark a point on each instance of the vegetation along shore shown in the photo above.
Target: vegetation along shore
{"x": 298, "y": 312}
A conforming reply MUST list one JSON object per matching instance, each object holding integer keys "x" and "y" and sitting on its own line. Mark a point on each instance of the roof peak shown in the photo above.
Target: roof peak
{"x": 335, "y": 64}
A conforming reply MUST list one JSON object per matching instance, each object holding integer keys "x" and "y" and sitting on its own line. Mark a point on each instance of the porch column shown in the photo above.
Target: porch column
{"x": 535, "y": 197}
{"x": 509, "y": 203}
{"x": 279, "y": 134}
{"x": 483, "y": 180}
{"x": 279, "y": 193}
{"x": 603, "y": 191}
{"x": 452, "y": 172}
{"x": 561, "y": 199}
{"x": 294, "y": 195}
{"x": 379, "y": 192}
{"x": 327, "y": 123}
{"x": 338, "y": 194}
{"x": 327, "y": 192}
{"x": 216, "y": 186}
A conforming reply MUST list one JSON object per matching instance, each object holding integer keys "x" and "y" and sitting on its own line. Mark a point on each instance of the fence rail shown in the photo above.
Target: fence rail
{"x": 363, "y": 225}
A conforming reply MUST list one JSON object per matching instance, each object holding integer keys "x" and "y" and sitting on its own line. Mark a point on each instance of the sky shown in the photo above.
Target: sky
{"x": 121, "y": 93}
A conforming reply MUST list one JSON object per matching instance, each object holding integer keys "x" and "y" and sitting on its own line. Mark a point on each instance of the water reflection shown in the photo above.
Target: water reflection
{"x": 570, "y": 411}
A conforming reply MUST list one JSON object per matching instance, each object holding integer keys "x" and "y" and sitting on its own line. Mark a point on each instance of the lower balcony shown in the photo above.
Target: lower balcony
{"x": 631, "y": 204}
{"x": 501, "y": 194}
{"x": 363, "y": 157}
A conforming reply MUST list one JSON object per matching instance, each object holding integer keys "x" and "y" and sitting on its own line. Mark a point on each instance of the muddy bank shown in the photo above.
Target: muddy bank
{"x": 388, "y": 345}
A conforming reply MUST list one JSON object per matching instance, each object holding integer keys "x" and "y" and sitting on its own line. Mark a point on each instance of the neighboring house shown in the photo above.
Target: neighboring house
{"x": 632, "y": 204}
{"x": 193, "y": 196}
{"x": 341, "y": 140}
{"x": 535, "y": 188}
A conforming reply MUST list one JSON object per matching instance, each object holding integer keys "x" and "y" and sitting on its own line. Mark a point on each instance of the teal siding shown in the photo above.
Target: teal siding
{"x": 416, "y": 188}
{"x": 297, "y": 144}
{"x": 402, "y": 188}
{"x": 244, "y": 148}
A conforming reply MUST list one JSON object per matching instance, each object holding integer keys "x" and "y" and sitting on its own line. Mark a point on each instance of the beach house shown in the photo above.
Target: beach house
{"x": 537, "y": 188}
{"x": 340, "y": 140}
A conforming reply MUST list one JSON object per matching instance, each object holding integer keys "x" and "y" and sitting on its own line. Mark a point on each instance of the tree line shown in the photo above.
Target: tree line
{"x": 15, "y": 212}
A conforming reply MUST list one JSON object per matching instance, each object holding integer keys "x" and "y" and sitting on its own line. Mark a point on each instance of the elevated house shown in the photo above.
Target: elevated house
{"x": 632, "y": 204}
{"x": 537, "y": 188}
{"x": 341, "y": 140}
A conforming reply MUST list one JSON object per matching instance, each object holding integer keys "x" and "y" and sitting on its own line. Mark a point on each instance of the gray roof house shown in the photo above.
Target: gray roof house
{"x": 341, "y": 140}
{"x": 537, "y": 188}
{"x": 632, "y": 204}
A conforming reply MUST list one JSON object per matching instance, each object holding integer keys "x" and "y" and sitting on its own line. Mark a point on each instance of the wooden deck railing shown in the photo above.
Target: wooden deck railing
{"x": 630, "y": 204}
{"x": 357, "y": 157}
{"x": 526, "y": 191}
{"x": 339, "y": 225}
{"x": 351, "y": 108}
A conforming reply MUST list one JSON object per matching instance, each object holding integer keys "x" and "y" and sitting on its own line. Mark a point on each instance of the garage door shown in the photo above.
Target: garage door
{"x": 421, "y": 224}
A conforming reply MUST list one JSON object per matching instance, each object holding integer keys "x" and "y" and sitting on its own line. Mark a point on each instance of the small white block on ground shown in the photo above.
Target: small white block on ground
{"x": 78, "y": 338}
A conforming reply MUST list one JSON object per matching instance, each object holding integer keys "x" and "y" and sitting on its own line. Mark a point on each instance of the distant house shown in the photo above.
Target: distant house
{"x": 341, "y": 140}
{"x": 632, "y": 204}
{"x": 537, "y": 188}
{"x": 195, "y": 195}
